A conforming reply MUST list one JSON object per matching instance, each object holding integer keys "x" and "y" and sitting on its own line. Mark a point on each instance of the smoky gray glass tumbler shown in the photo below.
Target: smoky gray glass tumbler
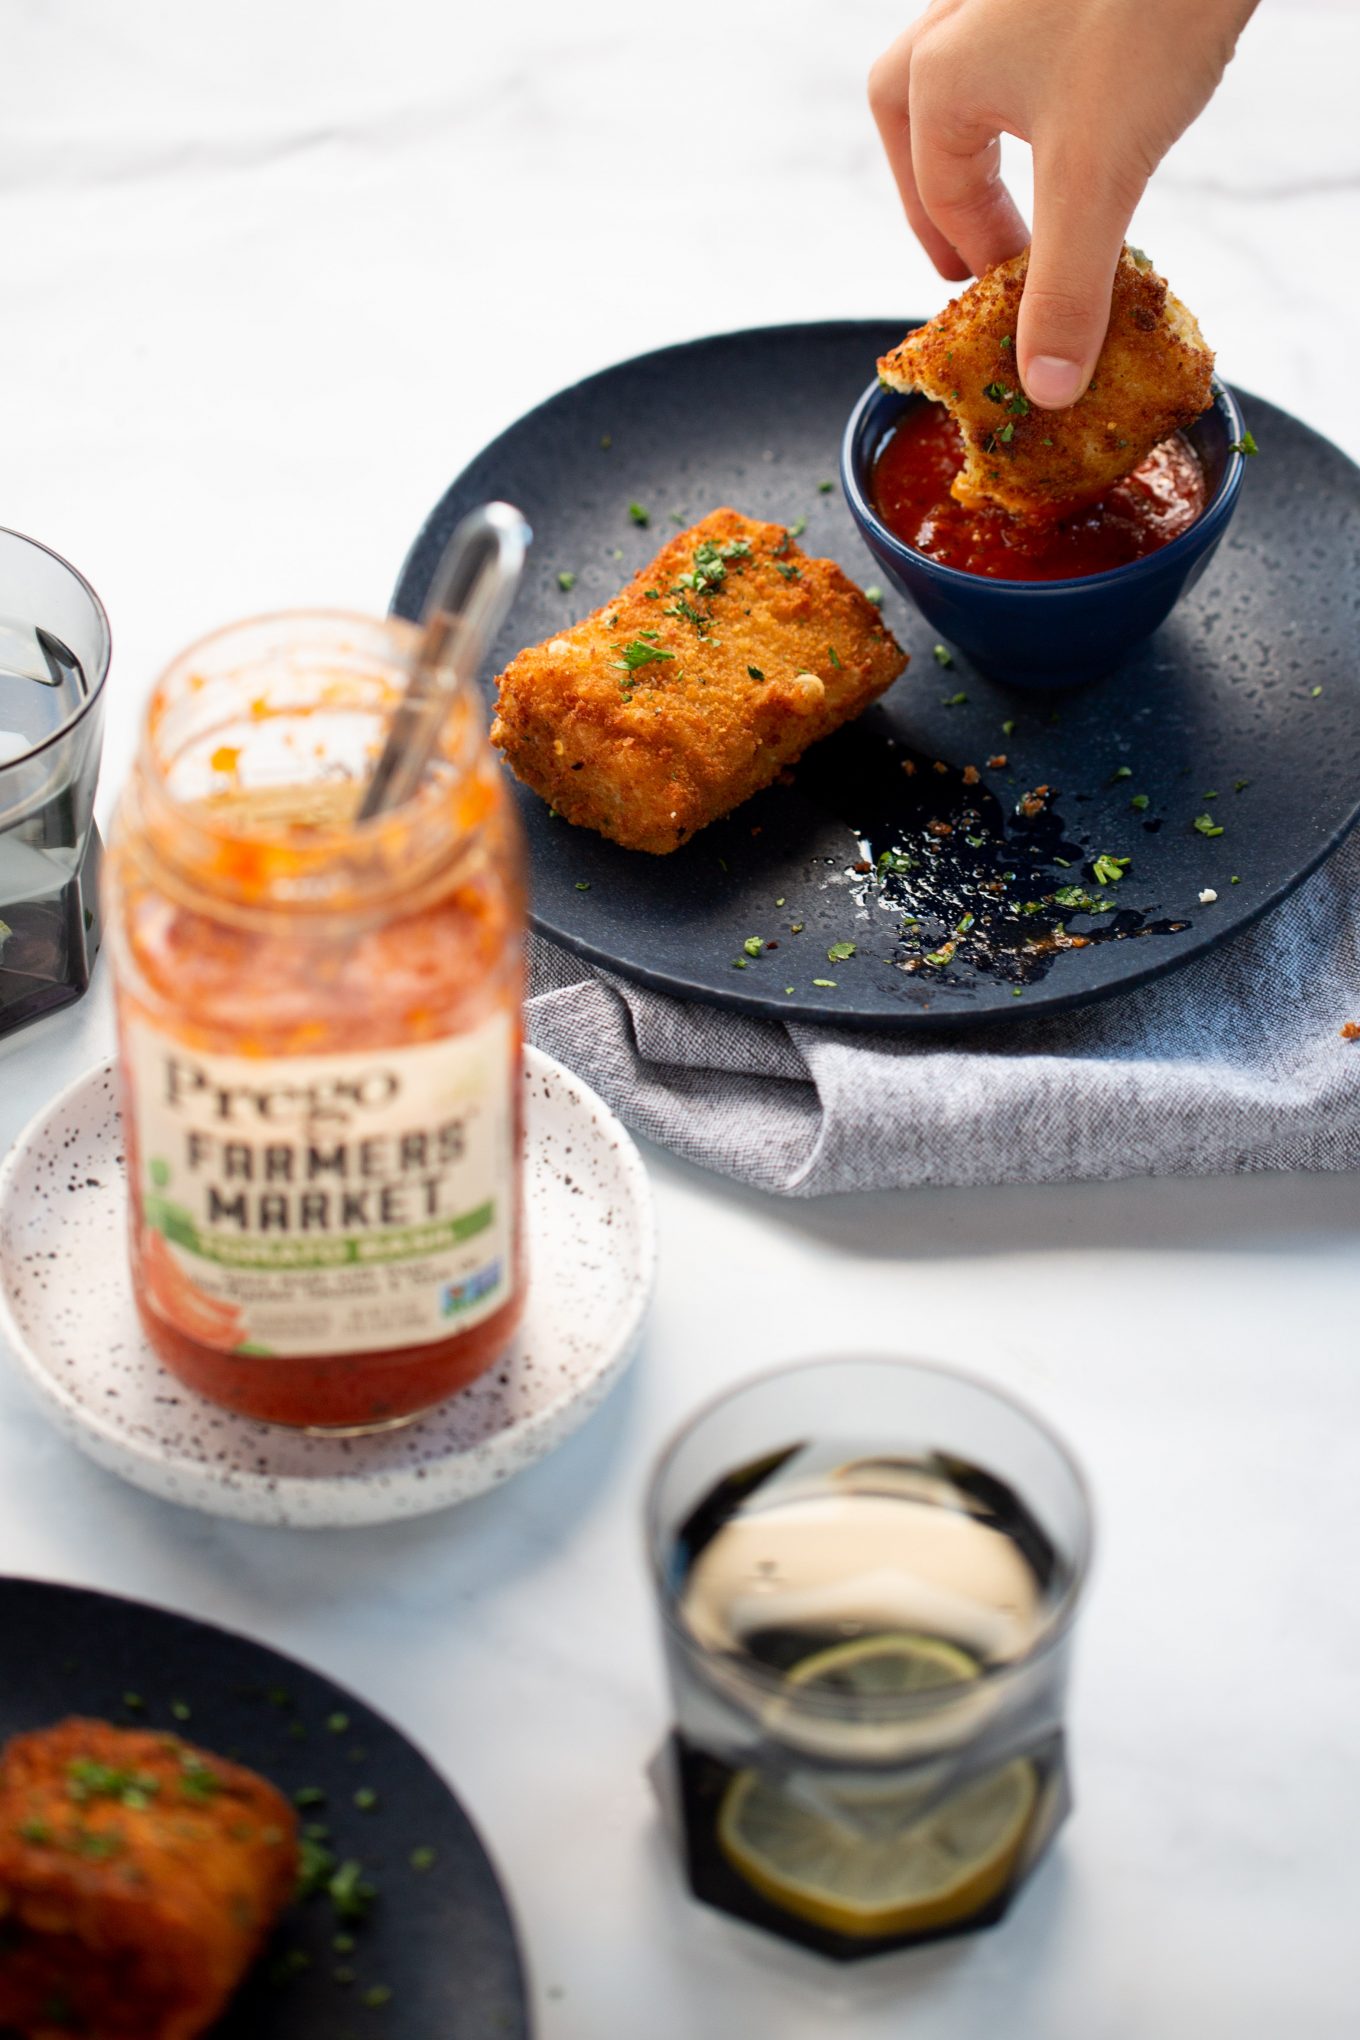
{"x": 54, "y": 659}
{"x": 868, "y": 1573}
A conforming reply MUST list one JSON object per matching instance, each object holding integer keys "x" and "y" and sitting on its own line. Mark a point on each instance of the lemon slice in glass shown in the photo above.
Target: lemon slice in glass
{"x": 917, "y": 1877}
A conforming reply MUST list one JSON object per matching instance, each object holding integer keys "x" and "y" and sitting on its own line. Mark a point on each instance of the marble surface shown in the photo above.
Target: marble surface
{"x": 275, "y": 271}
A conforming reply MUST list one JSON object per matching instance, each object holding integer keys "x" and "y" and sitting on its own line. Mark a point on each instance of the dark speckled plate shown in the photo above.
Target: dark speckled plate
{"x": 1244, "y": 708}
{"x": 439, "y": 1939}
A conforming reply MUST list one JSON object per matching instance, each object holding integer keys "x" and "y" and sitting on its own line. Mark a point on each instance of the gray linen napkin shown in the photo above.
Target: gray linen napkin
{"x": 1235, "y": 1062}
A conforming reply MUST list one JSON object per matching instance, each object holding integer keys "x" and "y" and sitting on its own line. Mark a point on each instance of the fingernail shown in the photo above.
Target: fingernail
{"x": 1053, "y": 382}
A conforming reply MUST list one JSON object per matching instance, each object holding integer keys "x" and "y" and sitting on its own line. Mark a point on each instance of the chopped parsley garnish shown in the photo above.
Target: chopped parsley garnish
{"x": 944, "y": 954}
{"x": 753, "y": 945}
{"x": 1122, "y": 772}
{"x": 377, "y": 1995}
{"x": 1006, "y": 434}
{"x": 641, "y": 653}
{"x": 638, "y": 514}
{"x": 875, "y": 595}
{"x": 755, "y": 672}
{"x": 787, "y": 569}
{"x": 365, "y": 1799}
{"x": 1246, "y": 444}
{"x": 423, "y": 1859}
{"x": 840, "y": 952}
{"x": 953, "y": 700}
{"x": 943, "y": 655}
{"x": 1313, "y": 693}
{"x": 86, "y": 1780}
{"x": 1019, "y": 405}
{"x": 1139, "y": 801}
{"x": 996, "y": 391}
{"x": 1007, "y": 341}
{"x": 798, "y": 527}
{"x": 1207, "y": 825}
{"x": 349, "y": 1893}
{"x": 1075, "y": 896}
{"x": 710, "y": 566}
{"x": 825, "y": 488}
{"x": 309, "y": 1795}
{"x": 583, "y": 885}
{"x": 566, "y": 580}
{"x": 825, "y": 984}
{"x": 181, "y": 1710}
{"x": 834, "y": 656}
{"x": 1238, "y": 784}
{"x": 1109, "y": 870}
{"x": 1008, "y": 729}
{"x": 898, "y": 860}
{"x": 738, "y": 963}
{"x": 338, "y": 1724}
{"x": 35, "y": 1831}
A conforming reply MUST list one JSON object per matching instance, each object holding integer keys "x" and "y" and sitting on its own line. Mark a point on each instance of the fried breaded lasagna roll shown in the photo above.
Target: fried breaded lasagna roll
{"x": 139, "y": 1878}
{"x": 1154, "y": 375}
{"x": 709, "y": 674}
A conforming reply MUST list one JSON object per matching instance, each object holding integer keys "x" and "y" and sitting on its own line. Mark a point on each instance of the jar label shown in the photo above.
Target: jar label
{"x": 324, "y": 1204}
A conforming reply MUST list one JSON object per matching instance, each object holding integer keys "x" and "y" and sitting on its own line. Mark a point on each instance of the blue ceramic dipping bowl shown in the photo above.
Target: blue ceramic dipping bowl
{"x": 1045, "y": 633}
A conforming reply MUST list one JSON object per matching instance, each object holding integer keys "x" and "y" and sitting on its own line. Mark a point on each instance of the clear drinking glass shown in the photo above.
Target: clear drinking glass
{"x": 54, "y": 658}
{"x": 868, "y": 1573}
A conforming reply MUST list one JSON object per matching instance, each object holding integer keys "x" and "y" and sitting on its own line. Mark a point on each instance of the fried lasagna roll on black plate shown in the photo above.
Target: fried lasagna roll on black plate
{"x": 139, "y": 1879}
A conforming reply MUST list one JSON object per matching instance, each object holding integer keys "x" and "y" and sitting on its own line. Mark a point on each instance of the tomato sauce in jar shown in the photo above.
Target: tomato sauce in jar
{"x": 920, "y": 457}
{"x": 320, "y": 1034}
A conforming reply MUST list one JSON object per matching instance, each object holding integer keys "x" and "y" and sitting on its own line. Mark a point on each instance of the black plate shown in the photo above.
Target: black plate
{"x": 440, "y": 1939}
{"x": 1253, "y": 679}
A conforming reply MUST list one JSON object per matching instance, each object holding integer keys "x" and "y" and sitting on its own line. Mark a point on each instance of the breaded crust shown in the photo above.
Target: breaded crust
{"x": 714, "y": 669}
{"x": 139, "y": 1878}
{"x": 1154, "y": 375}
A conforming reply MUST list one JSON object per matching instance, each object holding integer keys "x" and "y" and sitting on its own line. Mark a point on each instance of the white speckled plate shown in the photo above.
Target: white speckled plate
{"x": 67, "y": 1311}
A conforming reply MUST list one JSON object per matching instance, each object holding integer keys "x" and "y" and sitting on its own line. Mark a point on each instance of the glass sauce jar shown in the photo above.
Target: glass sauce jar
{"x": 320, "y": 1033}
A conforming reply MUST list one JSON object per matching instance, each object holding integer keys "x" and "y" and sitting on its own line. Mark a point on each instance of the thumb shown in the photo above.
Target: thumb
{"x": 1081, "y": 212}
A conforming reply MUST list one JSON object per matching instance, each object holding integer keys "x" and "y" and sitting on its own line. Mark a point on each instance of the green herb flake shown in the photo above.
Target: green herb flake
{"x": 874, "y": 594}
{"x": 787, "y": 569}
{"x": 377, "y": 1995}
{"x": 755, "y": 672}
{"x": 1239, "y": 784}
{"x": 825, "y": 488}
{"x": 1006, "y": 434}
{"x": 834, "y": 657}
{"x": 997, "y": 392}
{"x": 423, "y": 1858}
{"x": 1207, "y": 825}
{"x": 943, "y": 955}
{"x": 582, "y": 885}
{"x": 181, "y": 1710}
{"x": 825, "y": 984}
{"x": 1042, "y": 442}
{"x": 1139, "y": 801}
{"x": 566, "y": 580}
{"x": 309, "y": 1795}
{"x": 738, "y": 963}
{"x": 1109, "y": 870}
{"x": 1007, "y": 341}
{"x": 1008, "y": 729}
{"x": 1122, "y": 772}
{"x": 840, "y": 952}
{"x": 1246, "y": 444}
{"x": 1017, "y": 991}
{"x": 641, "y": 653}
{"x": 365, "y": 1799}
{"x": 753, "y": 945}
{"x": 953, "y": 700}
{"x": 1234, "y": 881}
{"x": 349, "y": 1893}
{"x": 134, "y": 1703}
{"x": 795, "y": 927}
{"x": 1313, "y": 693}
{"x": 639, "y": 515}
{"x": 943, "y": 655}
{"x": 798, "y": 527}
{"x": 35, "y": 1831}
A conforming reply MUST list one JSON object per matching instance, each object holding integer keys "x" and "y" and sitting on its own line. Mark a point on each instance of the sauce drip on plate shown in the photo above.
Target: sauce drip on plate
{"x": 921, "y": 456}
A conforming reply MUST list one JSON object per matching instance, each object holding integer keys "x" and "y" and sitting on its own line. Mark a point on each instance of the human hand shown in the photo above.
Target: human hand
{"x": 1100, "y": 89}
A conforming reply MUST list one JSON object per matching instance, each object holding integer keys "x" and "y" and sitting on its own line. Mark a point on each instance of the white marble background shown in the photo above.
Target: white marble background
{"x": 274, "y": 271}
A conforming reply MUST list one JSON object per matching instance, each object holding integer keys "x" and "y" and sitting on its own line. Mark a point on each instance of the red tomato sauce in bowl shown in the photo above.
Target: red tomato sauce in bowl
{"x": 920, "y": 457}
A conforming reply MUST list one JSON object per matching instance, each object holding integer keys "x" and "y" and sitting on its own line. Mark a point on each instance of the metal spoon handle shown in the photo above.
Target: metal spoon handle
{"x": 469, "y": 599}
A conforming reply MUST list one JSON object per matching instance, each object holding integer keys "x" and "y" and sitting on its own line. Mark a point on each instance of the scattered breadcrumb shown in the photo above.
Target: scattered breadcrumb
{"x": 1207, "y": 896}
{"x": 1351, "y": 1031}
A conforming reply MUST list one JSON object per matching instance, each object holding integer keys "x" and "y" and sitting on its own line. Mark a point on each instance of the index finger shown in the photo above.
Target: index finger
{"x": 890, "y": 104}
